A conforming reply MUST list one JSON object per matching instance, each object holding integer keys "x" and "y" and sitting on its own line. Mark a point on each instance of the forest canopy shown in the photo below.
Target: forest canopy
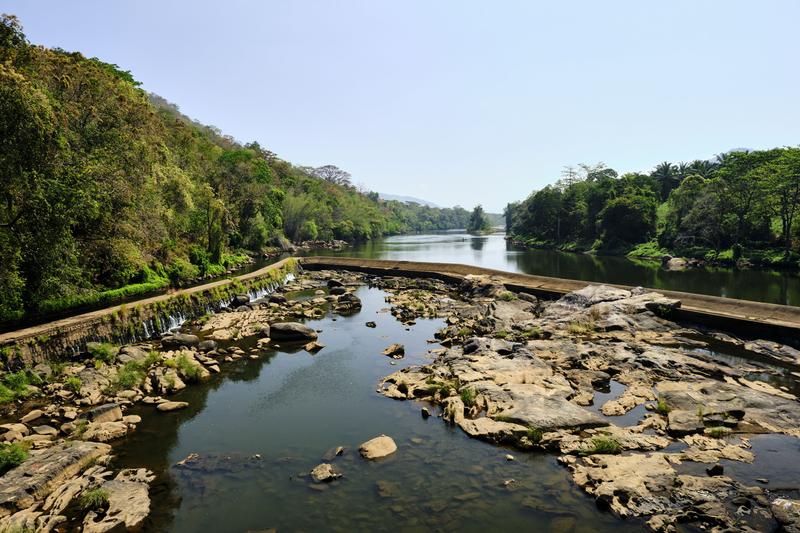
{"x": 109, "y": 191}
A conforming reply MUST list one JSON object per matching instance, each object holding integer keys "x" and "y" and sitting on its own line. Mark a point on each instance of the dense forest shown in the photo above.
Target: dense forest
{"x": 740, "y": 207}
{"x": 109, "y": 191}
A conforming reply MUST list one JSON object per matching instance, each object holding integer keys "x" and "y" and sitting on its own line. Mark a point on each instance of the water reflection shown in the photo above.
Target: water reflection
{"x": 493, "y": 251}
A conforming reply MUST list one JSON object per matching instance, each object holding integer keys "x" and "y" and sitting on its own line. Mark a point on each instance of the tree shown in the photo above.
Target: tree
{"x": 478, "y": 221}
{"x": 667, "y": 176}
{"x": 631, "y": 219}
{"x": 783, "y": 184}
{"x": 333, "y": 174}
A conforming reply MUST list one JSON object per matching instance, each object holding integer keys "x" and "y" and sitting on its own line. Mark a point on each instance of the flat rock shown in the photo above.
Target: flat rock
{"x": 109, "y": 412}
{"x": 168, "y": 406}
{"x": 325, "y": 472}
{"x": 43, "y": 471}
{"x": 180, "y": 339}
{"x": 105, "y": 431}
{"x": 128, "y": 503}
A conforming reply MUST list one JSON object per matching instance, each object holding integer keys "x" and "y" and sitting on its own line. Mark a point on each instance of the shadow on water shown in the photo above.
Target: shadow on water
{"x": 290, "y": 408}
{"x": 492, "y": 251}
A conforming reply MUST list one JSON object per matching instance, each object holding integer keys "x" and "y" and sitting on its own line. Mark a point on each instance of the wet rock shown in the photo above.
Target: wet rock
{"x": 395, "y": 351}
{"x": 313, "y": 347}
{"x": 325, "y": 472}
{"x": 277, "y": 299}
{"x": 334, "y": 283}
{"x": 716, "y": 470}
{"x": 31, "y": 416}
{"x": 240, "y": 300}
{"x": 207, "y": 345}
{"x": 177, "y": 340}
{"x": 371, "y": 324}
{"x": 291, "y": 331}
{"x": 166, "y": 407}
{"x": 110, "y": 412}
{"x": 378, "y": 447}
{"x": 425, "y": 412}
{"x": 337, "y": 291}
{"x": 133, "y": 353}
{"x": 348, "y": 302}
{"x": 43, "y": 471}
{"x": 333, "y": 453}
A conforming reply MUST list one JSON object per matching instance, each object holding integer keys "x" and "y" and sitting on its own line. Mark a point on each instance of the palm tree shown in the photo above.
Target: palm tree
{"x": 702, "y": 167}
{"x": 665, "y": 173}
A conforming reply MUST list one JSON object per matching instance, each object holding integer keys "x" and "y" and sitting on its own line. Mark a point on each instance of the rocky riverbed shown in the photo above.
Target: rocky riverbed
{"x": 512, "y": 370}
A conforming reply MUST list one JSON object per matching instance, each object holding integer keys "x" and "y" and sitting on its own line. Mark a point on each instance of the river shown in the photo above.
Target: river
{"x": 492, "y": 251}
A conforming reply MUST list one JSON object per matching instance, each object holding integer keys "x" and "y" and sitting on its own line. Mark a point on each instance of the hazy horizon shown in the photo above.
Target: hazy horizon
{"x": 456, "y": 103}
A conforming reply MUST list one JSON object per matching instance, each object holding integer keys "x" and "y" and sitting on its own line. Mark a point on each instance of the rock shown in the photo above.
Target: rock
{"x": 337, "y": 291}
{"x": 333, "y": 453}
{"x": 128, "y": 503}
{"x": 31, "y": 416}
{"x": 395, "y": 351}
{"x": 716, "y": 470}
{"x": 371, "y": 324}
{"x": 425, "y": 413}
{"x": 509, "y": 457}
{"x": 378, "y": 447}
{"x": 169, "y": 406}
{"x": 207, "y": 345}
{"x": 325, "y": 472}
{"x": 132, "y": 419}
{"x": 348, "y": 302}
{"x": 313, "y": 347}
{"x": 105, "y": 431}
{"x": 291, "y": 331}
{"x": 133, "y": 353}
{"x": 177, "y": 340}
{"x": 277, "y": 299}
{"x": 15, "y": 428}
{"x": 109, "y": 412}
{"x": 787, "y": 513}
{"x": 43, "y": 471}
{"x": 334, "y": 283}
{"x": 240, "y": 300}
{"x": 45, "y": 430}
{"x": 675, "y": 263}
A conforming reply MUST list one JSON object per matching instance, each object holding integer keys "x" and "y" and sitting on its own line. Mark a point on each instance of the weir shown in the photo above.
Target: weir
{"x": 743, "y": 317}
{"x": 137, "y": 321}
{"x": 154, "y": 316}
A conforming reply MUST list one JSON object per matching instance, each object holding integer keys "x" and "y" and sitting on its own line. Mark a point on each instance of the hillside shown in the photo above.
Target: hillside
{"x": 108, "y": 191}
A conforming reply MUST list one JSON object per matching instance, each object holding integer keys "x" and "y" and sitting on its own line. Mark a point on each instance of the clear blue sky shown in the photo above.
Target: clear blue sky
{"x": 457, "y": 102}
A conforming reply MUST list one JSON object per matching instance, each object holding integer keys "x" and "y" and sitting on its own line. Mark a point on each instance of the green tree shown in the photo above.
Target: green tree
{"x": 478, "y": 221}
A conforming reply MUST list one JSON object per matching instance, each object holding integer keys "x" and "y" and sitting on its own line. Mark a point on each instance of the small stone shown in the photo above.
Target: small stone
{"x": 716, "y": 470}
{"x": 395, "y": 351}
{"x": 33, "y": 415}
{"x": 313, "y": 347}
{"x": 425, "y": 413}
{"x": 45, "y": 430}
{"x": 509, "y": 457}
{"x": 508, "y": 482}
{"x": 763, "y": 480}
{"x": 325, "y": 472}
{"x": 371, "y": 324}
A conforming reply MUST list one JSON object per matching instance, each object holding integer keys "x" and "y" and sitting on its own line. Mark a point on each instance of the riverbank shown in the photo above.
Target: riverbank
{"x": 743, "y": 258}
{"x": 512, "y": 369}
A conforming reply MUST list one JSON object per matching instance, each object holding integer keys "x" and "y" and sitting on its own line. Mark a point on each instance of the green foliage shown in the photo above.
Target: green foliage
{"x": 743, "y": 206}
{"x": 129, "y": 376}
{"x": 189, "y": 369}
{"x": 605, "y": 444}
{"x": 152, "y": 358}
{"x": 16, "y": 385}
{"x": 478, "y": 221}
{"x": 718, "y": 432}
{"x": 506, "y": 296}
{"x": 662, "y": 407}
{"x": 93, "y": 499}
{"x": 109, "y": 192}
{"x": 535, "y": 435}
{"x": 73, "y": 383}
{"x": 468, "y": 396}
{"x": 12, "y": 455}
{"x": 103, "y": 352}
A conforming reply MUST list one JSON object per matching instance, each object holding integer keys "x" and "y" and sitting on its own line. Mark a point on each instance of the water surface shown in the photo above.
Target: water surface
{"x": 492, "y": 251}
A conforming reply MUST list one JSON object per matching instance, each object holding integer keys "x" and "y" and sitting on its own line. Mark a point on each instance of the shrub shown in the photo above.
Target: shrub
{"x": 532, "y": 333}
{"x": 12, "y": 455}
{"x": 718, "y": 432}
{"x": 103, "y": 351}
{"x": 129, "y": 376}
{"x": 506, "y": 296}
{"x": 468, "y": 396}
{"x": 73, "y": 383}
{"x": 605, "y": 444}
{"x": 662, "y": 407}
{"x": 16, "y": 385}
{"x": 152, "y": 358}
{"x": 535, "y": 435}
{"x": 79, "y": 428}
{"x": 580, "y": 327}
{"x": 188, "y": 369}
{"x": 94, "y": 499}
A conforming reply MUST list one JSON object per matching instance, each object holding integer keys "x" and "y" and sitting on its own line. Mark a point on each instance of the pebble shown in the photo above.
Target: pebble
{"x": 509, "y": 457}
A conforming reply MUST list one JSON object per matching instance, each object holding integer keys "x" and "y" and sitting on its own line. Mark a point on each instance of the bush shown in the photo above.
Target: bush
{"x": 16, "y": 385}
{"x": 535, "y": 435}
{"x": 94, "y": 499}
{"x": 662, "y": 407}
{"x": 605, "y": 444}
{"x": 103, "y": 351}
{"x": 506, "y": 296}
{"x": 188, "y": 369}
{"x": 73, "y": 383}
{"x": 12, "y": 455}
{"x": 468, "y": 396}
{"x": 129, "y": 376}
{"x": 181, "y": 271}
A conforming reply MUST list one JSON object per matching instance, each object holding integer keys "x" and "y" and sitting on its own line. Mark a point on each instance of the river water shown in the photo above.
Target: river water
{"x": 262, "y": 424}
{"x": 492, "y": 251}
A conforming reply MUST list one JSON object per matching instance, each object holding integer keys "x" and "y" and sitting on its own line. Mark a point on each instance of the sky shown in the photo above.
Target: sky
{"x": 458, "y": 102}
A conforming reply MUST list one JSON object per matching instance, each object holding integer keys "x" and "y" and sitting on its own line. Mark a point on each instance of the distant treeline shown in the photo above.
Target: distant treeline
{"x": 108, "y": 191}
{"x": 742, "y": 205}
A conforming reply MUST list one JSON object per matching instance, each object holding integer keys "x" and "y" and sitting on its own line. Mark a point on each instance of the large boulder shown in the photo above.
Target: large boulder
{"x": 177, "y": 340}
{"x": 378, "y": 447}
{"x": 240, "y": 300}
{"x": 109, "y": 412}
{"x": 291, "y": 331}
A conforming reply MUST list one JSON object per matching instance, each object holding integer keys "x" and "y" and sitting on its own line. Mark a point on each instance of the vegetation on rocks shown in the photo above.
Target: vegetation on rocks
{"x": 12, "y": 455}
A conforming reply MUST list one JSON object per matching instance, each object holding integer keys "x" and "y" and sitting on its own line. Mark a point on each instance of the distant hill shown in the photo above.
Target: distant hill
{"x": 406, "y": 199}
